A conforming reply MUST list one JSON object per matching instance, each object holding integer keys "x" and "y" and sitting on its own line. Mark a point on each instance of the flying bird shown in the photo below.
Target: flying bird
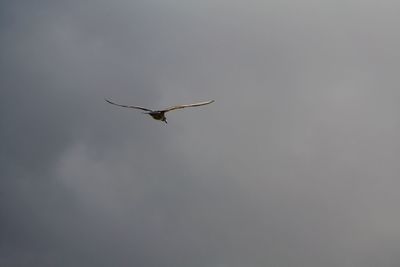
{"x": 160, "y": 114}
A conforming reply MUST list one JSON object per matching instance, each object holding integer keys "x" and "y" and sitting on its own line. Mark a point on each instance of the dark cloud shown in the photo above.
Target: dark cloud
{"x": 295, "y": 164}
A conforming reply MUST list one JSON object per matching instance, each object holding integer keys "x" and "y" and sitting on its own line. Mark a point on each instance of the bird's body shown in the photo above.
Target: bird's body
{"x": 160, "y": 114}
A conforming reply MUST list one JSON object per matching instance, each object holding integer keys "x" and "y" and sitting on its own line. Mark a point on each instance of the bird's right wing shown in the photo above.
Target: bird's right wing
{"x": 187, "y": 106}
{"x": 124, "y": 106}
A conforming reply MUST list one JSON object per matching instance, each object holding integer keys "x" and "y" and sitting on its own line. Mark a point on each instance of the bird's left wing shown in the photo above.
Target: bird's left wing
{"x": 187, "y": 106}
{"x": 125, "y": 106}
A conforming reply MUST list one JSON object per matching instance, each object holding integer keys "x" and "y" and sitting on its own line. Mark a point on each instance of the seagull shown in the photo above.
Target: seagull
{"x": 160, "y": 114}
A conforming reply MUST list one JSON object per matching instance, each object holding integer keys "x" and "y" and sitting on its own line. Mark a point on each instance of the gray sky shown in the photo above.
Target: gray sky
{"x": 295, "y": 164}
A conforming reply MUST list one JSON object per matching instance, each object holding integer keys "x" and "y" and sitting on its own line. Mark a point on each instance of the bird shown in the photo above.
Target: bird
{"x": 160, "y": 114}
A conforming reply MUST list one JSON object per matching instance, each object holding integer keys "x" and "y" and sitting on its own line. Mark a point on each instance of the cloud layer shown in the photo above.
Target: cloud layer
{"x": 295, "y": 164}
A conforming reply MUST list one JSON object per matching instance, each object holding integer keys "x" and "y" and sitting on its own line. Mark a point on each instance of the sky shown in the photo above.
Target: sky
{"x": 295, "y": 164}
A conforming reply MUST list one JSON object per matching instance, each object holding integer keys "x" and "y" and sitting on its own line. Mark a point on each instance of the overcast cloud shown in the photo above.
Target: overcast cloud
{"x": 295, "y": 164}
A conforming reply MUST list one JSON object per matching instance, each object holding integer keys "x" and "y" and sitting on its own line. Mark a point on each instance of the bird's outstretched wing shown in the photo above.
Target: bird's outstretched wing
{"x": 187, "y": 106}
{"x": 124, "y": 106}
